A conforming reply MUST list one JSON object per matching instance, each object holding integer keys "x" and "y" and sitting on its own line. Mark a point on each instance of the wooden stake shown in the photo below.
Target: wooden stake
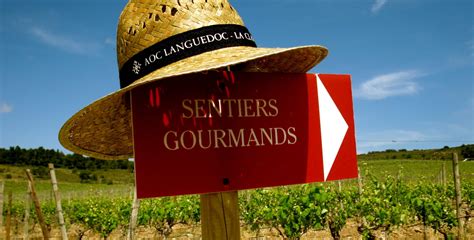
{"x": 26, "y": 220}
{"x": 220, "y": 216}
{"x": 339, "y": 183}
{"x": 439, "y": 177}
{"x": 134, "y": 216}
{"x": 9, "y": 216}
{"x": 444, "y": 178}
{"x": 57, "y": 198}
{"x": 2, "y": 185}
{"x": 34, "y": 197}
{"x": 359, "y": 180}
{"x": 457, "y": 186}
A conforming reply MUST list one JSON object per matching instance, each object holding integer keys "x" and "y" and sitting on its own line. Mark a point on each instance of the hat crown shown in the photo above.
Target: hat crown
{"x": 146, "y": 22}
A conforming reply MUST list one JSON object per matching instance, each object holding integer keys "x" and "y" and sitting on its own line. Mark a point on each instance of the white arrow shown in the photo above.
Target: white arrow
{"x": 333, "y": 127}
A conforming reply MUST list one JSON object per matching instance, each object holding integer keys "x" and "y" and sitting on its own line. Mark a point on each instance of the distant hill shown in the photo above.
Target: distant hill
{"x": 41, "y": 157}
{"x": 446, "y": 153}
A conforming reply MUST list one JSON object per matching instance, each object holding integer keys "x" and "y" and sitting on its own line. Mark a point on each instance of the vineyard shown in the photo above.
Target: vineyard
{"x": 288, "y": 212}
{"x": 395, "y": 198}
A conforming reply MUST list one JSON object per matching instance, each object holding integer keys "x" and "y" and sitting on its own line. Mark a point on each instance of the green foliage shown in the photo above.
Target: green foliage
{"x": 41, "y": 157}
{"x": 445, "y": 153}
{"x": 99, "y": 214}
{"x": 468, "y": 195}
{"x": 164, "y": 213}
{"x": 467, "y": 151}
{"x": 49, "y": 213}
{"x": 340, "y": 205}
{"x": 48, "y": 209}
{"x": 433, "y": 207}
{"x": 416, "y": 171}
{"x": 292, "y": 211}
{"x": 382, "y": 205}
{"x": 87, "y": 177}
{"x": 298, "y": 209}
{"x": 256, "y": 208}
{"x": 40, "y": 172}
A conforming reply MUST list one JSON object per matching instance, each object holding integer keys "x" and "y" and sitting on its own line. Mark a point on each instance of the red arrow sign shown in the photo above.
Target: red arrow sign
{"x": 226, "y": 131}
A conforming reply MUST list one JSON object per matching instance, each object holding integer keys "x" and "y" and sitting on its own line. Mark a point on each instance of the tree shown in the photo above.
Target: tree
{"x": 41, "y": 157}
{"x": 467, "y": 151}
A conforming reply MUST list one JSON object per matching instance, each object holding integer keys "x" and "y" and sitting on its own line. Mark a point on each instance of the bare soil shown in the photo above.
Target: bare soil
{"x": 185, "y": 232}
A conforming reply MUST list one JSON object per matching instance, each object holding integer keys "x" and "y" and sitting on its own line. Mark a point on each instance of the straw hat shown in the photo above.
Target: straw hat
{"x": 158, "y": 39}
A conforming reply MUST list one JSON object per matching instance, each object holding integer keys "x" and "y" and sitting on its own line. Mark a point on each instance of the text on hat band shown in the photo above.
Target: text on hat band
{"x": 181, "y": 46}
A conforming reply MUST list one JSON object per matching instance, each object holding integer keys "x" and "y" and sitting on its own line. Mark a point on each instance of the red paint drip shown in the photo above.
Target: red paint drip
{"x": 151, "y": 98}
{"x": 226, "y": 76}
{"x": 157, "y": 97}
{"x": 166, "y": 120}
{"x": 232, "y": 77}
{"x": 210, "y": 121}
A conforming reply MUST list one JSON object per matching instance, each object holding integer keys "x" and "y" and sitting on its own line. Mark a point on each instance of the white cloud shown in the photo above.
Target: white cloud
{"x": 109, "y": 41}
{"x": 64, "y": 43}
{"x": 389, "y": 85}
{"x": 5, "y": 108}
{"x": 377, "y": 6}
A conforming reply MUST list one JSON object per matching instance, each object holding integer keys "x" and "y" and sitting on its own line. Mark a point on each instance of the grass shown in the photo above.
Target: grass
{"x": 411, "y": 171}
{"x": 414, "y": 171}
{"x": 69, "y": 175}
{"x": 68, "y": 190}
{"x": 115, "y": 182}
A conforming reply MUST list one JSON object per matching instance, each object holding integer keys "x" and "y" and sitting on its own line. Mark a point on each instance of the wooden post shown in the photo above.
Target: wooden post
{"x": 2, "y": 185}
{"x": 339, "y": 184}
{"x": 34, "y": 197}
{"x": 57, "y": 198}
{"x": 439, "y": 177}
{"x": 26, "y": 220}
{"x": 457, "y": 186}
{"x": 134, "y": 216}
{"x": 444, "y": 178}
{"x": 220, "y": 216}
{"x": 9, "y": 216}
{"x": 359, "y": 180}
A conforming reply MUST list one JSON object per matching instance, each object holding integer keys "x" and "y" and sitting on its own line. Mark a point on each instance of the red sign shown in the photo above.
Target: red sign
{"x": 224, "y": 131}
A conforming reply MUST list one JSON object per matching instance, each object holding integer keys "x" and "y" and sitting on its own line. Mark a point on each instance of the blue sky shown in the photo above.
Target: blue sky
{"x": 411, "y": 61}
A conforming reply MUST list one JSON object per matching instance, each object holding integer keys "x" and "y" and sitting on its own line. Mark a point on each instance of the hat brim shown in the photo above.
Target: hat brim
{"x": 103, "y": 129}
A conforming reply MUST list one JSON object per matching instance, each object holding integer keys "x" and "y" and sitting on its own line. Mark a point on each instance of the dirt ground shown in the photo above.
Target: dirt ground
{"x": 182, "y": 232}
